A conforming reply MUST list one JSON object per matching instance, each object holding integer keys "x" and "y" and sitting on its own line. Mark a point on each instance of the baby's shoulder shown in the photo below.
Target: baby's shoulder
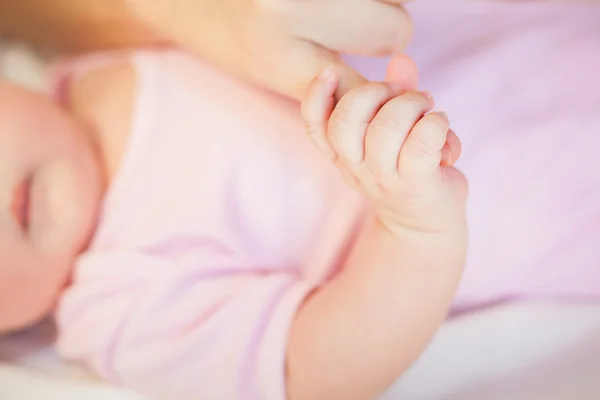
{"x": 104, "y": 98}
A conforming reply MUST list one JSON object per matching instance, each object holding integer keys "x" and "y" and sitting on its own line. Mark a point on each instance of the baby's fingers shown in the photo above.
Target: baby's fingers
{"x": 390, "y": 128}
{"x": 317, "y": 108}
{"x": 352, "y": 116}
{"x": 421, "y": 154}
{"x": 451, "y": 150}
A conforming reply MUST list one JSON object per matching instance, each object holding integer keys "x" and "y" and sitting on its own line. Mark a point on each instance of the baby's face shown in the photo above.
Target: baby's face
{"x": 50, "y": 182}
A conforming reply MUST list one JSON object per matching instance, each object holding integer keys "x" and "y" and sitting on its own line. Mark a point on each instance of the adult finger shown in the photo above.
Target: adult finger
{"x": 360, "y": 27}
{"x": 293, "y": 68}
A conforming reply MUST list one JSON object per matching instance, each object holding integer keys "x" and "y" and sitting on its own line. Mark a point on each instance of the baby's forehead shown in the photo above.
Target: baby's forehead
{"x": 17, "y": 105}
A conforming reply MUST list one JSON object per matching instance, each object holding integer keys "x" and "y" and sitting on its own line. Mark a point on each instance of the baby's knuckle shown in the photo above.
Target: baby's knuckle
{"x": 350, "y": 100}
{"x": 437, "y": 122}
{"x": 370, "y": 88}
{"x": 379, "y": 169}
{"x": 362, "y": 93}
{"x": 385, "y": 124}
{"x": 340, "y": 120}
{"x": 412, "y": 100}
{"x": 420, "y": 149}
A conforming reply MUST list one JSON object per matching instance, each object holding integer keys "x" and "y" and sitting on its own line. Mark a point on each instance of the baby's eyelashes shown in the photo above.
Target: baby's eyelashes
{"x": 20, "y": 203}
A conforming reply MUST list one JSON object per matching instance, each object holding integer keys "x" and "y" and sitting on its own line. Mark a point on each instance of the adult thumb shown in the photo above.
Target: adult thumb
{"x": 401, "y": 70}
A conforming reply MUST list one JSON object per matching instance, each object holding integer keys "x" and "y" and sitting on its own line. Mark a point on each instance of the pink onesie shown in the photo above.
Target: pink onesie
{"x": 223, "y": 215}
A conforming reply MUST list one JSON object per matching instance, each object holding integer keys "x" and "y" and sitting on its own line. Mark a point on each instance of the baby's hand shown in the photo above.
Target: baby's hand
{"x": 391, "y": 148}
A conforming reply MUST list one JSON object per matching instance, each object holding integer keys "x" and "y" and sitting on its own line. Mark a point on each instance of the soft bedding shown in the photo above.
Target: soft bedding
{"x": 513, "y": 352}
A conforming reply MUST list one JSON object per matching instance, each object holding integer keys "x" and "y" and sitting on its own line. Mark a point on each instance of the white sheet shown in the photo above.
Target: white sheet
{"x": 517, "y": 352}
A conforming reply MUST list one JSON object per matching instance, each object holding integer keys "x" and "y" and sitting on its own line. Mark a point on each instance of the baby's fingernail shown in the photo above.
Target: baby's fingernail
{"x": 327, "y": 75}
{"x": 328, "y": 81}
{"x": 444, "y": 115}
{"x": 446, "y": 156}
{"x": 429, "y": 98}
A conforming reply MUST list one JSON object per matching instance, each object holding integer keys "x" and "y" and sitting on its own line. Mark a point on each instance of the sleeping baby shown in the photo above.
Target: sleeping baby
{"x": 215, "y": 251}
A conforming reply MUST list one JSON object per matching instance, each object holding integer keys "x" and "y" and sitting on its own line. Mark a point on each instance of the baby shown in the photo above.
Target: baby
{"x": 228, "y": 259}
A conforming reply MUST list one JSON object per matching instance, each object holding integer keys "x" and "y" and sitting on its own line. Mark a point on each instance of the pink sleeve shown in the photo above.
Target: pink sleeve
{"x": 177, "y": 333}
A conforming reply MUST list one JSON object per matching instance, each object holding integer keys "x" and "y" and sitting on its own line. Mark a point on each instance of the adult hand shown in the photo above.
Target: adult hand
{"x": 281, "y": 44}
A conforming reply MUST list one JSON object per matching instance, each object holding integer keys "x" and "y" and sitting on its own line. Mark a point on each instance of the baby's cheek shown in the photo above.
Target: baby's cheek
{"x": 63, "y": 207}
{"x": 16, "y": 254}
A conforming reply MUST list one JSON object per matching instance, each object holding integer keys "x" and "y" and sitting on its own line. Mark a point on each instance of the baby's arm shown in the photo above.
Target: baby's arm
{"x": 220, "y": 330}
{"x": 358, "y": 333}
{"x": 223, "y": 330}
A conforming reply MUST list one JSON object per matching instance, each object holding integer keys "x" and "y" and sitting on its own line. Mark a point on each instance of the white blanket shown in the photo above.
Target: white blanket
{"x": 517, "y": 352}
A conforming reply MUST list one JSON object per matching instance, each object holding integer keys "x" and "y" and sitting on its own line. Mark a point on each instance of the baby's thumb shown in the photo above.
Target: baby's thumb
{"x": 403, "y": 70}
{"x": 348, "y": 77}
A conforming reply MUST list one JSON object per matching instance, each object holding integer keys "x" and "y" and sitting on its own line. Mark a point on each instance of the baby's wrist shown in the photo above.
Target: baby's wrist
{"x": 403, "y": 227}
{"x": 445, "y": 246}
